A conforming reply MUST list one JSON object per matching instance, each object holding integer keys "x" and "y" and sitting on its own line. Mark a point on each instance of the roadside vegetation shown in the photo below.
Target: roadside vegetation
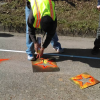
{"x": 75, "y": 17}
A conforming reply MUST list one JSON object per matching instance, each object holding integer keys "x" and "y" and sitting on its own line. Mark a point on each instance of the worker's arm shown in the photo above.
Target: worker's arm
{"x": 47, "y": 40}
{"x": 32, "y": 34}
{"x": 50, "y": 34}
{"x": 46, "y": 43}
{"x": 31, "y": 29}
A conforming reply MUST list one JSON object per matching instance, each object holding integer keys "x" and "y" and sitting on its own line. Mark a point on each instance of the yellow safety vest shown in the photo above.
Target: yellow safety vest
{"x": 42, "y": 8}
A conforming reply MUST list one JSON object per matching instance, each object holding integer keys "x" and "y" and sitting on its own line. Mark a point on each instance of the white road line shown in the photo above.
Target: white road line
{"x": 54, "y": 54}
{"x": 12, "y": 51}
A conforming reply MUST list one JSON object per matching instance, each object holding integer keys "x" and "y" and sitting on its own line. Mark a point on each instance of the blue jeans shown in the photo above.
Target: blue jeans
{"x": 30, "y": 45}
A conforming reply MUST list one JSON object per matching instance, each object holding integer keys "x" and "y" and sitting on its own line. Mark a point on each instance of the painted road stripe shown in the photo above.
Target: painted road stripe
{"x": 12, "y": 51}
{"x": 52, "y": 54}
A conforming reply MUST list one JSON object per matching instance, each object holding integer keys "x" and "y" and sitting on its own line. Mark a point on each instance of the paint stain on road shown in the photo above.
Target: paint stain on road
{"x": 1, "y": 60}
{"x": 89, "y": 80}
{"x": 44, "y": 65}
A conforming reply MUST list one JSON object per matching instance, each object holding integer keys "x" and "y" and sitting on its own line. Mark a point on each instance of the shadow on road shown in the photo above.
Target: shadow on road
{"x": 5, "y": 35}
{"x": 82, "y": 55}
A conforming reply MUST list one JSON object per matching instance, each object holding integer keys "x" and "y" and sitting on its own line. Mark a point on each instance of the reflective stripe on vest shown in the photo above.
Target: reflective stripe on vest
{"x": 51, "y": 9}
{"x": 38, "y": 16}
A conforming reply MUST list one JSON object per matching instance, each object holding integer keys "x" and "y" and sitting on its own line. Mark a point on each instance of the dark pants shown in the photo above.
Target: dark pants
{"x": 97, "y": 43}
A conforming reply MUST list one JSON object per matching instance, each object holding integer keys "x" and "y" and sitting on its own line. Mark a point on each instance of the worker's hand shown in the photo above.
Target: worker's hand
{"x": 39, "y": 55}
{"x": 98, "y": 7}
{"x": 36, "y": 46}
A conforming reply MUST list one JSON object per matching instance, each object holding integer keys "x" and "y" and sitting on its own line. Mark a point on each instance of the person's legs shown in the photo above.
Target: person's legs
{"x": 96, "y": 47}
{"x": 55, "y": 44}
{"x": 29, "y": 43}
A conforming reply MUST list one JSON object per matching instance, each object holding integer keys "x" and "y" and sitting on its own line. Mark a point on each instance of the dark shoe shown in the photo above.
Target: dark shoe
{"x": 95, "y": 51}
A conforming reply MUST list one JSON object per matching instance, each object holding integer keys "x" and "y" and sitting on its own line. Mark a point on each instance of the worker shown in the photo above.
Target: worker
{"x": 30, "y": 44}
{"x": 42, "y": 16}
{"x": 96, "y": 47}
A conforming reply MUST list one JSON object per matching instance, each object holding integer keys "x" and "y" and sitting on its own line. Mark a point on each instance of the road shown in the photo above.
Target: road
{"x": 18, "y": 80}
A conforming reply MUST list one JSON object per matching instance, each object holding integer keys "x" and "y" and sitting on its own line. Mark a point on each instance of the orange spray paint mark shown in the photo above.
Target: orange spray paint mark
{"x": 3, "y": 60}
{"x": 44, "y": 65}
{"x": 45, "y": 61}
{"x": 78, "y": 80}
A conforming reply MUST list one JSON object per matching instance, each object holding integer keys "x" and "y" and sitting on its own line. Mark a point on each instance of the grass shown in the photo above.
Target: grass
{"x": 81, "y": 20}
{"x": 13, "y": 16}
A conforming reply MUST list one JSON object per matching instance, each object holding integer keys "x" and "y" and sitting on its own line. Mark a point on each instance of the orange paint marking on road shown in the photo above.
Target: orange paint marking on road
{"x": 78, "y": 80}
{"x": 3, "y": 60}
{"x": 44, "y": 65}
{"x": 45, "y": 61}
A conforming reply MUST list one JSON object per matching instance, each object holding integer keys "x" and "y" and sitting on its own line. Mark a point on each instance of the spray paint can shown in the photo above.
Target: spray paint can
{"x": 39, "y": 42}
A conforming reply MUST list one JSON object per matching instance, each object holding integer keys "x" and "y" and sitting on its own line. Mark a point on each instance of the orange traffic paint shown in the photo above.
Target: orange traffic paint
{"x": 77, "y": 79}
{"x": 45, "y": 61}
{"x": 44, "y": 65}
{"x": 3, "y": 60}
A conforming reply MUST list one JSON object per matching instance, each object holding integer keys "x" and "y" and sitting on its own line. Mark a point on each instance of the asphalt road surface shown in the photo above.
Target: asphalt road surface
{"x": 19, "y": 81}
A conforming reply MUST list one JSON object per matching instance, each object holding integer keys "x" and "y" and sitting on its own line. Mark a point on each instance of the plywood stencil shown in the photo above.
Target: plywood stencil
{"x": 79, "y": 80}
{"x": 44, "y": 65}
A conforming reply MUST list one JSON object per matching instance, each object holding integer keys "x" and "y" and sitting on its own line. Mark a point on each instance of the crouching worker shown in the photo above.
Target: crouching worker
{"x": 42, "y": 15}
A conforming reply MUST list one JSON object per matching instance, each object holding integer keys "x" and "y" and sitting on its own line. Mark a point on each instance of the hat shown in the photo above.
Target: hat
{"x": 46, "y": 23}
